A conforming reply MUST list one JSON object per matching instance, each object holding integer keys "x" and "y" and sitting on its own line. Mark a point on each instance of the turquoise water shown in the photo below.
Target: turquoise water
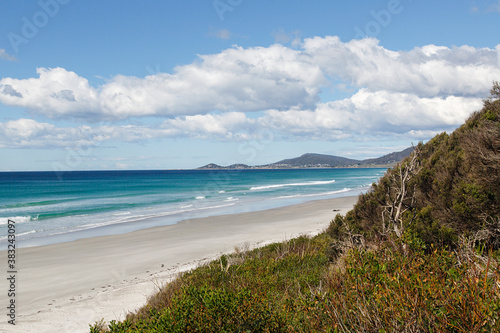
{"x": 49, "y": 207}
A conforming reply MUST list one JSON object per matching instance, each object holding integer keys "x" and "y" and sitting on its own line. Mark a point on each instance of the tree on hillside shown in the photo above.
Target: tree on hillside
{"x": 400, "y": 195}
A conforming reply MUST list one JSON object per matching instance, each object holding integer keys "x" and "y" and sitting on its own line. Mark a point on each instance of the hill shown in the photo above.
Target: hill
{"x": 391, "y": 158}
{"x": 216, "y": 166}
{"x": 321, "y": 161}
{"x": 314, "y": 160}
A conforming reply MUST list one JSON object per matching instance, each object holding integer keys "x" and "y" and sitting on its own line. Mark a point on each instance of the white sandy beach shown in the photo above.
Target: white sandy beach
{"x": 64, "y": 287}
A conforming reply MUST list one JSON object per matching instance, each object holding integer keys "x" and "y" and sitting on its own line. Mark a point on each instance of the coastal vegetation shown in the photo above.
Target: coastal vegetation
{"x": 419, "y": 252}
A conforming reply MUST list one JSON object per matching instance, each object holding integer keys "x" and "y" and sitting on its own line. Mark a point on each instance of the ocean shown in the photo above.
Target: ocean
{"x": 50, "y": 207}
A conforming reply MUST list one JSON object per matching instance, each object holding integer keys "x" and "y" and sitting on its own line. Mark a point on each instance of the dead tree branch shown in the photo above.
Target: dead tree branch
{"x": 400, "y": 197}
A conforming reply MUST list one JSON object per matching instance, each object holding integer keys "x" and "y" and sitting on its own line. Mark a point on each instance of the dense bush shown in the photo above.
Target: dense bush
{"x": 456, "y": 189}
{"x": 292, "y": 287}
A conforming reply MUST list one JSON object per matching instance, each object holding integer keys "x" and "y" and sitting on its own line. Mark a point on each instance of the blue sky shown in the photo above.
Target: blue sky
{"x": 179, "y": 84}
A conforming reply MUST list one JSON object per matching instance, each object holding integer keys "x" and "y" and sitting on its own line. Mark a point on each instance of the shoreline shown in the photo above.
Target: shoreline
{"x": 109, "y": 276}
{"x": 169, "y": 219}
{"x": 365, "y": 166}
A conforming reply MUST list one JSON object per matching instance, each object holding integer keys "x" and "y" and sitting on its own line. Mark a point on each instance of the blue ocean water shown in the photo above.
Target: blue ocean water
{"x": 49, "y": 207}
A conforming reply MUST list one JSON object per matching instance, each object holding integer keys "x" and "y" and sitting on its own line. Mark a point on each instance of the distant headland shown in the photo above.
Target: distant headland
{"x": 321, "y": 161}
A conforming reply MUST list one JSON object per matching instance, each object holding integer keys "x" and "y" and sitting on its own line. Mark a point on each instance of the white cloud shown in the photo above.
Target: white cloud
{"x": 367, "y": 113}
{"x": 260, "y": 78}
{"x": 28, "y": 133}
{"x": 55, "y": 93}
{"x": 225, "y": 126}
{"x": 373, "y": 113}
{"x": 397, "y": 93}
{"x": 426, "y": 71}
{"x": 5, "y": 56}
{"x": 236, "y": 79}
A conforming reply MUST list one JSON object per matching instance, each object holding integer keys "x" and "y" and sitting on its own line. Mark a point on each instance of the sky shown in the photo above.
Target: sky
{"x": 163, "y": 84}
